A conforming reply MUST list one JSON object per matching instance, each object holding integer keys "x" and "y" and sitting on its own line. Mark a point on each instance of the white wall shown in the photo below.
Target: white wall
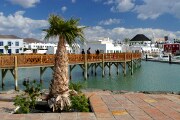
{"x": 145, "y": 49}
{"x": 39, "y": 45}
{"x": 52, "y": 50}
{"x": 13, "y": 46}
{"x": 103, "y": 48}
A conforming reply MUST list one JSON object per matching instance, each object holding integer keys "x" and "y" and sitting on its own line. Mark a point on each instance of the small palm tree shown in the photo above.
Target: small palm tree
{"x": 67, "y": 31}
{"x": 6, "y": 47}
{"x": 126, "y": 40}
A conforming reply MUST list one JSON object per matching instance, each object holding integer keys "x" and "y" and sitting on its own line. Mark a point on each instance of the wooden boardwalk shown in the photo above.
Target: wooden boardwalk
{"x": 85, "y": 61}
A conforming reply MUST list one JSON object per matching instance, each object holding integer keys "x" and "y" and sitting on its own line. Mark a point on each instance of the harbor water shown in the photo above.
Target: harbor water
{"x": 151, "y": 76}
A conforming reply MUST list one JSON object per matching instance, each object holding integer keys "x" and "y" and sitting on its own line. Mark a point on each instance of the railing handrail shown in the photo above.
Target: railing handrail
{"x": 48, "y": 59}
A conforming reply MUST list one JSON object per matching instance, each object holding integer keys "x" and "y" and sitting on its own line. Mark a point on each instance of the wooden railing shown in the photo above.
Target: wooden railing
{"x": 43, "y": 60}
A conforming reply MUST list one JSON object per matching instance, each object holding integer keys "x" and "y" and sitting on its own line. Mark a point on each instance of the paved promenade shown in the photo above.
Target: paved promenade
{"x": 108, "y": 106}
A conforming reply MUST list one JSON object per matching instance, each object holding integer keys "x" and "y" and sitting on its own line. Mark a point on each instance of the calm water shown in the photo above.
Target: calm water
{"x": 151, "y": 76}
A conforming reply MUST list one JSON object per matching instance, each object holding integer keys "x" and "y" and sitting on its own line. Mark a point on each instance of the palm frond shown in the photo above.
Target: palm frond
{"x": 69, "y": 29}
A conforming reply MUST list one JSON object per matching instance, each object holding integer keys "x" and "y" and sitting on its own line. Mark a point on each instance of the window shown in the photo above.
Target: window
{"x": 9, "y": 43}
{"x": 9, "y": 51}
{"x": 17, "y": 50}
{"x": 17, "y": 43}
{"x": 1, "y": 51}
{"x": 1, "y": 43}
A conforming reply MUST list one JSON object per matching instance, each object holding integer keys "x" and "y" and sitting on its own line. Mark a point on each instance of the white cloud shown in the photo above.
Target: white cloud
{"x": 63, "y": 9}
{"x": 148, "y": 9}
{"x": 21, "y": 26}
{"x": 119, "y": 33}
{"x": 73, "y": 1}
{"x": 152, "y": 9}
{"x": 97, "y": 0}
{"x": 121, "y": 5}
{"x": 110, "y": 21}
{"x": 25, "y": 3}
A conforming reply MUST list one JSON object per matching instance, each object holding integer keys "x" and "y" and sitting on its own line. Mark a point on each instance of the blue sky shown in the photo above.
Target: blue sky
{"x": 116, "y": 19}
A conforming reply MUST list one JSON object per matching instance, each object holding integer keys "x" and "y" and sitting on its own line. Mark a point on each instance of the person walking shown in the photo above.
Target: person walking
{"x": 97, "y": 51}
{"x": 83, "y": 52}
{"x": 88, "y": 51}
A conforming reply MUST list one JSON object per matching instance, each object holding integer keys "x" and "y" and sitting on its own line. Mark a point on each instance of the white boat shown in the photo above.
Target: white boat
{"x": 148, "y": 57}
{"x": 164, "y": 57}
{"x": 176, "y": 58}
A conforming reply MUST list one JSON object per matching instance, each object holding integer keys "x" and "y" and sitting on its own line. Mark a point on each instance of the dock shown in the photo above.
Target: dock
{"x": 86, "y": 61}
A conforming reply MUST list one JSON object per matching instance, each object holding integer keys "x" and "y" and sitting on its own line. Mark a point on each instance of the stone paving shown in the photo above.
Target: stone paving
{"x": 107, "y": 106}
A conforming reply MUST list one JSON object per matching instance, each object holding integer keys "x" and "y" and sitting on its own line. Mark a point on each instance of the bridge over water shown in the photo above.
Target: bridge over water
{"x": 85, "y": 61}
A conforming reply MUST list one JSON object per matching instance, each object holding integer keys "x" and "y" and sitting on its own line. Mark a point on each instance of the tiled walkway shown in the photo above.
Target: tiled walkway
{"x": 109, "y": 106}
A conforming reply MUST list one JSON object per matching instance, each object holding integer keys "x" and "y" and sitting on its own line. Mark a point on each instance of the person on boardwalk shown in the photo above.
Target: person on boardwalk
{"x": 97, "y": 51}
{"x": 88, "y": 51}
{"x": 83, "y": 52}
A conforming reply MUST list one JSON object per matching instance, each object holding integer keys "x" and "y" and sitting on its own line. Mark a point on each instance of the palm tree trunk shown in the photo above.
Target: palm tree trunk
{"x": 59, "y": 89}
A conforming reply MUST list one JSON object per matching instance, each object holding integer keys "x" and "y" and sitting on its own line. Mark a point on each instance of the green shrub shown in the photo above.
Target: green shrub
{"x": 27, "y": 101}
{"x": 76, "y": 86}
{"x": 79, "y": 103}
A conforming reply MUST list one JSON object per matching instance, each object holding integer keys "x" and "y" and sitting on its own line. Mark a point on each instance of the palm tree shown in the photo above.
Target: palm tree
{"x": 6, "y": 47}
{"x": 68, "y": 32}
{"x": 126, "y": 40}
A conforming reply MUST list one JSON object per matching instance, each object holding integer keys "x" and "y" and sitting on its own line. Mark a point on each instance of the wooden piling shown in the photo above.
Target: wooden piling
{"x": 70, "y": 68}
{"x": 109, "y": 66}
{"x": 170, "y": 59}
{"x": 16, "y": 73}
{"x": 117, "y": 67}
{"x": 95, "y": 68}
{"x": 3, "y": 72}
{"x": 103, "y": 65}
{"x": 124, "y": 64}
{"x": 42, "y": 70}
{"x": 92, "y": 69}
{"x": 131, "y": 63}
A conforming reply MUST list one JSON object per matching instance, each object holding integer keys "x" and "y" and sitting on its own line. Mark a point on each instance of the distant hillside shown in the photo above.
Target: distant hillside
{"x": 9, "y": 37}
{"x": 32, "y": 40}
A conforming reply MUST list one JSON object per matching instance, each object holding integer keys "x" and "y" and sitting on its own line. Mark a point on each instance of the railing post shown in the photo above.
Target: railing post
{"x": 85, "y": 66}
{"x": 41, "y": 59}
{"x": 1, "y": 60}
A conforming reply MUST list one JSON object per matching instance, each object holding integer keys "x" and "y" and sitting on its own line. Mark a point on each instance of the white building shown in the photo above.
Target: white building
{"x": 72, "y": 50}
{"x": 144, "y": 49}
{"x": 32, "y": 45}
{"x": 10, "y": 44}
{"x": 105, "y": 45}
{"x": 40, "y": 46}
{"x": 140, "y": 43}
